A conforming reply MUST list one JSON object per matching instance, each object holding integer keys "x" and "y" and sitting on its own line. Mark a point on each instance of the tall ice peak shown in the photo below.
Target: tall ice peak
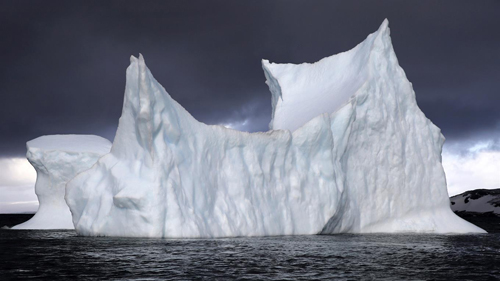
{"x": 350, "y": 152}
{"x": 334, "y": 80}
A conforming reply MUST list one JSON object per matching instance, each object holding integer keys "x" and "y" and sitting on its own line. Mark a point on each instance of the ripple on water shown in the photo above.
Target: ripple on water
{"x": 64, "y": 255}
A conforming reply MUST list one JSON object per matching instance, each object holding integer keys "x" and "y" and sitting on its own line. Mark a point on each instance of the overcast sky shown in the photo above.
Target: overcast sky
{"x": 63, "y": 64}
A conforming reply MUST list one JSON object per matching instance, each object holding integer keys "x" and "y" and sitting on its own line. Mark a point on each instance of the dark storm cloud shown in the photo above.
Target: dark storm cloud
{"x": 63, "y": 62}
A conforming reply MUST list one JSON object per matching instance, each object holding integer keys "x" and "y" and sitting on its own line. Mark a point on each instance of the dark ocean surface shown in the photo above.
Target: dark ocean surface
{"x": 63, "y": 255}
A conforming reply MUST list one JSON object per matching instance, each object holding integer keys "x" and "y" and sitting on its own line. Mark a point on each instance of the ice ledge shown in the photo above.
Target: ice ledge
{"x": 296, "y": 88}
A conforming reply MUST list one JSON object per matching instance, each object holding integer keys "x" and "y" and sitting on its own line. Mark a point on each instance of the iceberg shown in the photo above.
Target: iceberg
{"x": 57, "y": 159}
{"x": 395, "y": 181}
{"x": 349, "y": 151}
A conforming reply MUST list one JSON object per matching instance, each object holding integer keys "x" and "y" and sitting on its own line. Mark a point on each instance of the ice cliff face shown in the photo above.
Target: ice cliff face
{"x": 169, "y": 175}
{"x": 350, "y": 151}
{"x": 57, "y": 159}
{"x": 392, "y": 159}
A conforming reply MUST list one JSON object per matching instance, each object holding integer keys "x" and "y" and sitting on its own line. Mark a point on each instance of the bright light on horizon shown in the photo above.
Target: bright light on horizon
{"x": 16, "y": 171}
{"x": 17, "y": 186}
{"x": 238, "y": 125}
{"x": 479, "y": 169}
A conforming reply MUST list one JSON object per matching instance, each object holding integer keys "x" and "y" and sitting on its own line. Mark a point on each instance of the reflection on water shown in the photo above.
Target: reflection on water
{"x": 64, "y": 255}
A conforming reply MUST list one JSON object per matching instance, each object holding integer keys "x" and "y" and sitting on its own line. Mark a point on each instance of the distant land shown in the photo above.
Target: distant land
{"x": 480, "y": 207}
{"x": 9, "y": 220}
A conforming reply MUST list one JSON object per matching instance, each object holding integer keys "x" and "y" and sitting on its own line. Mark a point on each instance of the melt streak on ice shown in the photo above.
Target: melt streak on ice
{"x": 57, "y": 159}
{"x": 349, "y": 152}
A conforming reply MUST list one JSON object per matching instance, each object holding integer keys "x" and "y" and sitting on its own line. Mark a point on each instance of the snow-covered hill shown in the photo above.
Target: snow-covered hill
{"x": 477, "y": 201}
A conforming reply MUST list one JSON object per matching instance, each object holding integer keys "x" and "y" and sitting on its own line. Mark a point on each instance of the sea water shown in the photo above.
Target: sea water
{"x": 52, "y": 254}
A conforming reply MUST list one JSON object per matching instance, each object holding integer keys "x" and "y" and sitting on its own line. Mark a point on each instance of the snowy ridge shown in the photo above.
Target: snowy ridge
{"x": 57, "y": 159}
{"x": 367, "y": 161}
{"x": 320, "y": 87}
{"x": 477, "y": 201}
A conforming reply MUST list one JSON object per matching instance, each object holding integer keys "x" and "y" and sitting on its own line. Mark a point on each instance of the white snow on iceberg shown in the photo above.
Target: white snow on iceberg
{"x": 350, "y": 151}
{"x": 57, "y": 159}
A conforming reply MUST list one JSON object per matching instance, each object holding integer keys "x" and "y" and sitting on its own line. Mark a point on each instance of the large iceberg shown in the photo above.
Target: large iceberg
{"x": 57, "y": 159}
{"x": 349, "y": 152}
